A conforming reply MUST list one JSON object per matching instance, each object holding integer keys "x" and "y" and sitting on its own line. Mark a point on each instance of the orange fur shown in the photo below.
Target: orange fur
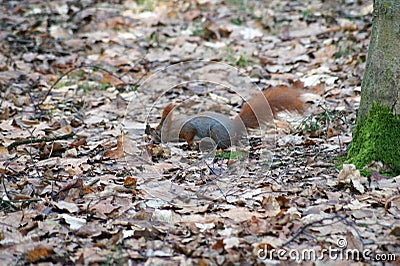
{"x": 188, "y": 135}
{"x": 167, "y": 111}
{"x": 280, "y": 98}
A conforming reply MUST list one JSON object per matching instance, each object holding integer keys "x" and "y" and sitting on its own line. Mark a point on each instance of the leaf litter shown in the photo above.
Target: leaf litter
{"x": 107, "y": 195}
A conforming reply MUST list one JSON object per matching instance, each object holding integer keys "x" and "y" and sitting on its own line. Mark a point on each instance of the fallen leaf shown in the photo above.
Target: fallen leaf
{"x": 74, "y": 184}
{"x": 219, "y": 245}
{"x": 3, "y": 152}
{"x": 240, "y": 214}
{"x": 130, "y": 182}
{"x": 68, "y": 206}
{"x": 350, "y": 174}
{"x": 74, "y": 222}
{"x": 271, "y": 205}
{"x": 39, "y": 253}
{"x": 257, "y": 226}
{"x": 124, "y": 145}
{"x": 204, "y": 227}
{"x": 231, "y": 242}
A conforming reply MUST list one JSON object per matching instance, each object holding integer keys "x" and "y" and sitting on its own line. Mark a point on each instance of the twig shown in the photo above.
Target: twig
{"x": 304, "y": 227}
{"x": 93, "y": 182}
{"x": 7, "y": 202}
{"x": 31, "y": 155}
{"x": 85, "y": 66}
{"x": 25, "y": 200}
{"x": 29, "y": 141}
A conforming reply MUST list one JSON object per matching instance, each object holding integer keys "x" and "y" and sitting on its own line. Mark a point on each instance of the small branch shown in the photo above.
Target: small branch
{"x": 7, "y": 202}
{"x": 29, "y": 141}
{"x": 81, "y": 67}
{"x": 31, "y": 155}
{"x": 304, "y": 227}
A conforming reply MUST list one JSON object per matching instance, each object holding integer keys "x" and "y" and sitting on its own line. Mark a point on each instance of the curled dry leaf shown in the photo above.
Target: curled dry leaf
{"x": 393, "y": 199}
{"x": 350, "y": 174}
{"x": 118, "y": 152}
{"x": 124, "y": 145}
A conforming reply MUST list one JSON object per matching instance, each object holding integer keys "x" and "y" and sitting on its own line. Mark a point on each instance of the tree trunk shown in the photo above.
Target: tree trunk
{"x": 377, "y": 134}
{"x": 382, "y": 75}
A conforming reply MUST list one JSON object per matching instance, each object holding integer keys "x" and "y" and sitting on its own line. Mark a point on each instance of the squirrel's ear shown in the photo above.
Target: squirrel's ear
{"x": 167, "y": 110}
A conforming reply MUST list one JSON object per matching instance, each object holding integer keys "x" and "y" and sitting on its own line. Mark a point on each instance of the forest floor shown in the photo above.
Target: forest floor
{"x": 83, "y": 183}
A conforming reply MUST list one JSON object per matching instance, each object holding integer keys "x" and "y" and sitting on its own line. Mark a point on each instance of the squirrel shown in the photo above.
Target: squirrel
{"x": 224, "y": 131}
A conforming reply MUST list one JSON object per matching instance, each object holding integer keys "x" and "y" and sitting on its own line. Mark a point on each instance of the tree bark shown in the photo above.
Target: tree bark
{"x": 382, "y": 75}
{"x": 377, "y": 133}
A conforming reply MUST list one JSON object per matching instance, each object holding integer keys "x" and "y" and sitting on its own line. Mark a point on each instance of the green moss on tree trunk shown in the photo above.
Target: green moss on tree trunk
{"x": 377, "y": 139}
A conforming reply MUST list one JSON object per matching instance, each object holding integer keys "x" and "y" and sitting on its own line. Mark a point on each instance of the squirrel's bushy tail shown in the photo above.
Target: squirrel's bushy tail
{"x": 284, "y": 98}
{"x": 262, "y": 107}
{"x": 255, "y": 111}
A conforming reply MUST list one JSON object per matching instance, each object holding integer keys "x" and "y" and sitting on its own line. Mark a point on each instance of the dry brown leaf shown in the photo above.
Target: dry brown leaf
{"x": 271, "y": 205}
{"x": 39, "y": 253}
{"x": 77, "y": 143}
{"x": 175, "y": 219}
{"x": 130, "y": 182}
{"x": 118, "y": 152}
{"x": 258, "y": 226}
{"x": 5, "y": 114}
{"x": 110, "y": 79}
{"x": 74, "y": 184}
{"x": 395, "y": 231}
{"x": 88, "y": 189}
{"x": 68, "y": 206}
{"x": 104, "y": 208}
{"x": 219, "y": 245}
{"x": 353, "y": 242}
{"x": 240, "y": 214}
{"x": 388, "y": 203}
{"x": 350, "y": 174}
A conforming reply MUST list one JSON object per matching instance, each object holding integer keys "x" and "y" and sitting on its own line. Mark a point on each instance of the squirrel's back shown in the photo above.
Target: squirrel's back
{"x": 214, "y": 125}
